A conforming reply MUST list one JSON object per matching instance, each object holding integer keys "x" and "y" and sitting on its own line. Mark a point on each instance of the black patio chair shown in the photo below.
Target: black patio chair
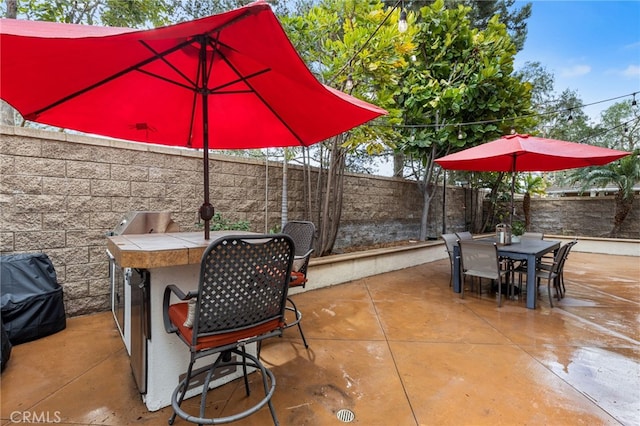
{"x": 241, "y": 299}
{"x": 303, "y": 234}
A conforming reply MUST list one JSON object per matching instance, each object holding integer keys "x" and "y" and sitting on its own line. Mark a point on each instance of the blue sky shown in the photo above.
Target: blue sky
{"x": 592, "y": 47}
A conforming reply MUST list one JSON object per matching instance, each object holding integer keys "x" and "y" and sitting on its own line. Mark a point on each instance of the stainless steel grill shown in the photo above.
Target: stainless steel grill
{"x": 142, "y": 222}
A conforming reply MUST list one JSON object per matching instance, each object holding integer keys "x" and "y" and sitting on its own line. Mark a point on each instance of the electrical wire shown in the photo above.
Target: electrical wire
{"x": 470, "y": 123}
{"x": 497, "y": 120}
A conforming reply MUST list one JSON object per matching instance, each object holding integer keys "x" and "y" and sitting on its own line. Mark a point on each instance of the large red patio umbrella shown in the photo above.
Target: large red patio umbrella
{"x": 524, "y": 153}
{"x": 227, "y": 81}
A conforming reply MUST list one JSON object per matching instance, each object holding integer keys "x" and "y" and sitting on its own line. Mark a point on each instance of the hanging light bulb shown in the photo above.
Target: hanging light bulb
{"x": 460, "y": 135}
{"x": 570, "y": 118}
{"x": 513, "y": 130}
{"x": 402, "y": 22}
{"x": 348, "y": 85}
{"x": 634, "y": 104}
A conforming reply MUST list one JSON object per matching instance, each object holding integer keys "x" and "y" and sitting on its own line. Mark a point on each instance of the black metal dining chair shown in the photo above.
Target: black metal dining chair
{"x": 240, "y": 300}
{"x": 303, "y": 234}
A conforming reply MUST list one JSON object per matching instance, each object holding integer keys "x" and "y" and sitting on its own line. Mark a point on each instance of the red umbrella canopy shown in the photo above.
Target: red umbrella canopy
{"x": 524, "y": 153}
{"x": 228, "y": 81}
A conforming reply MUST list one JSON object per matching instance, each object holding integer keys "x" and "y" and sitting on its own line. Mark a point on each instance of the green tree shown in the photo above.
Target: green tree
{"x": 542, "y": 83}
{"x": 480, "y": 15}
{"x": 134, "y": 13}
{"x": 482, "y": 11}
{"x": 532, "y": 185}
{"x": 343, "y": 40}
{"x": 620, "y": 129}
{"x": 185, "y": 10}
{"x": 461, "y": 75}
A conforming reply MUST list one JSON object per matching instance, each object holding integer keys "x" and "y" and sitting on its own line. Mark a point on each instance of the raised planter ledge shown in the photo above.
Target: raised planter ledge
{"x": 341, "y": 268}
{"x": 615, "y": 246}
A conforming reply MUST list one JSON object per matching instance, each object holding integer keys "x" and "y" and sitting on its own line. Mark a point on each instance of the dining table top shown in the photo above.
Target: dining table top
{"x": 525, "y": 245}
{"x": 526, "y": 248}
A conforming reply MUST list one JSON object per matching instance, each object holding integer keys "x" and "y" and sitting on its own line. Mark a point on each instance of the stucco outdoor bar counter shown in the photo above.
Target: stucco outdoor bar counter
{"x": 153, "y": 261}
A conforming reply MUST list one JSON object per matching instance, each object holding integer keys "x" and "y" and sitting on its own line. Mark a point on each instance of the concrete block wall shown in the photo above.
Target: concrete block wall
{"x": 61, "y": 193}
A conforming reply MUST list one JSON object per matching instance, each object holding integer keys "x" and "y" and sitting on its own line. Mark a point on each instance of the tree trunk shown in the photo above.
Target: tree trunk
{"x": 493, "y": 197}
{"x": 306, "y": 182}
{"x": 427, "y": 190}
{"x": 426, "y": 203}
{"x": 526, "y": 208}
{"x": 332, "y": 198}
{"x": 622, "y": 209}
{"x": 398, "y": 164}
{"x": 12, "y": 9}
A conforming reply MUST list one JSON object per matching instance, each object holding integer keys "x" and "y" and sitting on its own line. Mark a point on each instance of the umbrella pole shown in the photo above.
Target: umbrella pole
{"x": 513, "y": 191}
{"x": 513, "y": 206}
{"x": 206, "y": 210}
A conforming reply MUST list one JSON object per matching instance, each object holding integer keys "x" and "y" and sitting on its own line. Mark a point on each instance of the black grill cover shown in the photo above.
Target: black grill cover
{"x": 5, "y": 352}
{"x": 31, "y": 299}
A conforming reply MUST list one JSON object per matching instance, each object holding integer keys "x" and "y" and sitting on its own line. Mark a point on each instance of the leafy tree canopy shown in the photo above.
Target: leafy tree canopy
{"x": 356, "y": 40}
{"x": 461, "y": 75}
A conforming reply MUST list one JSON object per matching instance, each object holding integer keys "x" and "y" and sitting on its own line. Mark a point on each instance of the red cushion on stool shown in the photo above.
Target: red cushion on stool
{"x": 178, "y": 315}
{"x": 297, "y": 279}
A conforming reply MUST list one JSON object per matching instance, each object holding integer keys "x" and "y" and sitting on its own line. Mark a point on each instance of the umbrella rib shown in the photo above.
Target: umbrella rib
{"x": 168, "y": 80}
{"x": 214, "y": 44}
{"x": 240, "y": 79}
{"x": 257, "y": 94}
{"x": 134, "y": 67}
{"x": 193, "y": 85}
{"x": 162, "y": 57}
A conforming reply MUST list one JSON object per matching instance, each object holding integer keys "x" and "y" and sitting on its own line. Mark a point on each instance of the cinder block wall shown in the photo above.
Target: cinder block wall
{"x": 61, "y": 193}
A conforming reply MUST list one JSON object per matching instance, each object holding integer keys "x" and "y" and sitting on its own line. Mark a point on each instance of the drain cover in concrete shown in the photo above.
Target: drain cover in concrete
{"x": 345, "y": 415}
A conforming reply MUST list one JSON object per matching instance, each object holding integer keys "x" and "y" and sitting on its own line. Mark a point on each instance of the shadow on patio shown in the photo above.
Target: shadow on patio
{"x": 397, "y": 348}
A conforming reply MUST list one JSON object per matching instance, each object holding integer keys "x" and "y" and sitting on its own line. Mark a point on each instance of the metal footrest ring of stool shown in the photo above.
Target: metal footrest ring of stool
{"x": 223, "y": 361}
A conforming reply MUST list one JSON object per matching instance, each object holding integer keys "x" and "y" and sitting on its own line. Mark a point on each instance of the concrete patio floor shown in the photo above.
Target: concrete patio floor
{"x": 398, "y": 348}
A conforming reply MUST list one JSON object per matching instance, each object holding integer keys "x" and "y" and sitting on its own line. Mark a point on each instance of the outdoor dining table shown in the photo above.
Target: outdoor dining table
{"x": 530, "y": 250}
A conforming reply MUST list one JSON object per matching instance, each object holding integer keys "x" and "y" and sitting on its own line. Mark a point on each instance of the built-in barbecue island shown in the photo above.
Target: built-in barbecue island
{"x": 143, "y": 261}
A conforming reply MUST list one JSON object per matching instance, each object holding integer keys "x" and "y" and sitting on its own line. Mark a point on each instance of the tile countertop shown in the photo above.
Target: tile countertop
{"x": 161, "y": 250}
